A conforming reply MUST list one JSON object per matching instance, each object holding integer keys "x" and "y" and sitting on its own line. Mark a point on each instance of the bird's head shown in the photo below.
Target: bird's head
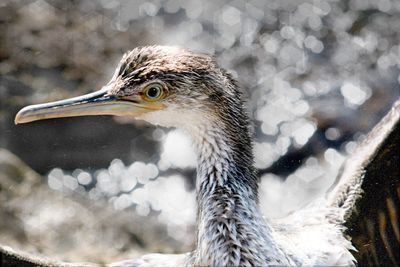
{"x": 163, "y": 85}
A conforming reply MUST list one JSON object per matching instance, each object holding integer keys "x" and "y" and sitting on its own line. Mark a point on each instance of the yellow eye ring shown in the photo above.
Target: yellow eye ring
{"x": 153, "y": 92}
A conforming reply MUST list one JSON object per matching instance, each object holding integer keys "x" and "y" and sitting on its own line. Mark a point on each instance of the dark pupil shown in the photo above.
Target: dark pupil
{"x": 153, "y": 92}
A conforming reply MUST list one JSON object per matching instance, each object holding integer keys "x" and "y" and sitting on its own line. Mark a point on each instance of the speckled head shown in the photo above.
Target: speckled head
{"x": 160, "y": 84}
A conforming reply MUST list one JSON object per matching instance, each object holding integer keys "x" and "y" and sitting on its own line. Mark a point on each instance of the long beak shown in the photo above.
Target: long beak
{"x": 97, "y": 103}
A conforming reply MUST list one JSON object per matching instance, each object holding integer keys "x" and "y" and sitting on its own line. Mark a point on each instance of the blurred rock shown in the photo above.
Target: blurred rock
{"x": 70, "y": 227}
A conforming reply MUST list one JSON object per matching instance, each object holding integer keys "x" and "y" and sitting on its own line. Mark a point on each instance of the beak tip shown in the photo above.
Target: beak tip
{"x": 18, "y": 118}
{"x": 21, "y": 116}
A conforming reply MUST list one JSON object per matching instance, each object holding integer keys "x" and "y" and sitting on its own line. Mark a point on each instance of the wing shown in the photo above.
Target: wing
{"x": 368, "y": 192}
{"x": 14, "y": 258}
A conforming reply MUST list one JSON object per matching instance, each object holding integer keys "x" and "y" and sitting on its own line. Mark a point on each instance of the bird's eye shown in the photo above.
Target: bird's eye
{"x": 153, "y": 92}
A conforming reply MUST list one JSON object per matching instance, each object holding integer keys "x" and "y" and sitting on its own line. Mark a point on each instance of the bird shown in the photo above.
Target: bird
{"x": 177, "y": 88}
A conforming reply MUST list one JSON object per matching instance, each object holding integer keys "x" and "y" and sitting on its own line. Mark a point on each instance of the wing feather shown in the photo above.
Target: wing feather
{"x": 373, "y": 172}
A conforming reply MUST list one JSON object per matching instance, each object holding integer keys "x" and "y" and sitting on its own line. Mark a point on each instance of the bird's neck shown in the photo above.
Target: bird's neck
{"x": 231, "y": 230}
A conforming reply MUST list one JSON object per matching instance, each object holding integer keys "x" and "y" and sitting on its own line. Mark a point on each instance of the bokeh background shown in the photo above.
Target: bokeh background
{"x": 317, "y": 74}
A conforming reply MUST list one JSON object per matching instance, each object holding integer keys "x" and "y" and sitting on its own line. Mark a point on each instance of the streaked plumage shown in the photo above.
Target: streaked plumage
{"x": 206, "y": 102}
